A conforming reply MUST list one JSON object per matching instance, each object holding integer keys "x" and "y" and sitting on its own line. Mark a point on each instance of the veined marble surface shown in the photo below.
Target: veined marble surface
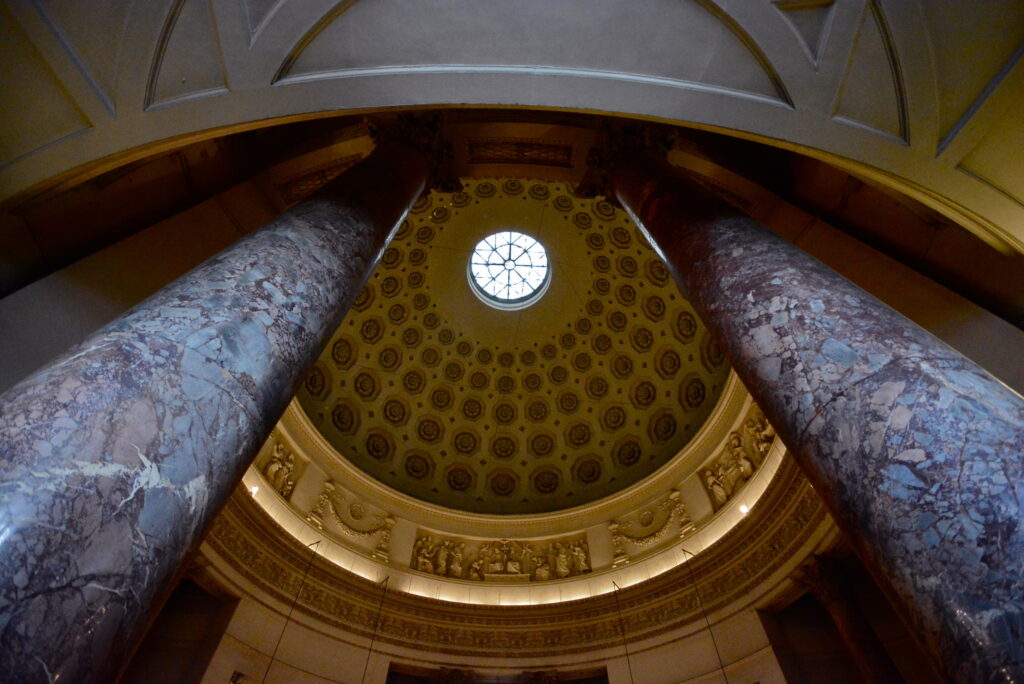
{"x": 918, "y": 451}
{"x": 117, "y": 455}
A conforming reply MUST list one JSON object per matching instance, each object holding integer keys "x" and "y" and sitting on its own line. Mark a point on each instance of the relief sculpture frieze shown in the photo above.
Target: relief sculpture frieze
{"x": 647, "y": 528}
{"x": 331, "y": 505}
{"x": 744, "y": 452}
{"x": 279, "y": 470}
{"x": 501, "y": 560}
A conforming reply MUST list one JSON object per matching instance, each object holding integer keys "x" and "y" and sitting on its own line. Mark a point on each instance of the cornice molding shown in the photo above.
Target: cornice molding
{"x": 747, "y": 562}
{"x": 300, "y": 434}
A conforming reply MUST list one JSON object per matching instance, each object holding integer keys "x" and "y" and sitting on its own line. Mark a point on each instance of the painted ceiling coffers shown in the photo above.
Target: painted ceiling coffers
{"x": 610, "y": 369}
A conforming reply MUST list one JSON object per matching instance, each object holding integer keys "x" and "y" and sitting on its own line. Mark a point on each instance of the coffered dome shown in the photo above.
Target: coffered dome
{"x": 431, "y": 391}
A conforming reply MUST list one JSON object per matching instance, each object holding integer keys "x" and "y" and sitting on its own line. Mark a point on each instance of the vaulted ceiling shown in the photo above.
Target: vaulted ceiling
{"x": 445, "y": 398}
{"x": 905, "y": 93}
{"x": 858, "y": 97}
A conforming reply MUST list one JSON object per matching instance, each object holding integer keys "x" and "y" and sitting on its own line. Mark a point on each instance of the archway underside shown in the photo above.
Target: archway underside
{"x": 852, "y": 83}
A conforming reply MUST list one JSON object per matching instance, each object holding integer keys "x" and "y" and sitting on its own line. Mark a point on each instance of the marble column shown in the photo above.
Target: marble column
{"x": 825, "y": 579}
{"x": 115, "y": 456}
{"x": 917, "y": 451}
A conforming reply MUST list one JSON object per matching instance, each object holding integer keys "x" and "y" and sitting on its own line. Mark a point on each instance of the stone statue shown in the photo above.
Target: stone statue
{"x": 496, "y": 558}
{"x": 476, "y": 570}
{"x": 763, "y": 433}
{"x": 619, "y": 555}
{"x": 563, "y": 562}
{"x": 384, "y": 542}
{"x": 746, "y": 466}
{"x": 422, "y": 552}
{"x": 733, "y": 468}
{"x": 441, "y": 558}
{"x": 736, "y": 448}
{"x": 455, "y": 562}
{"x": 278, "y": 470}
{"x": 274, "y": 464}
{"x": 522, "y": 551}
{"x": 316, "y": 516}
{"x": 499, "y": 560}
{"x": 504, "y": 557}
{"x": 580, "y": 559}
{"x": 716, "y": 489}
{"x": 513, "y": 565}
{"x": 541, "y": 569}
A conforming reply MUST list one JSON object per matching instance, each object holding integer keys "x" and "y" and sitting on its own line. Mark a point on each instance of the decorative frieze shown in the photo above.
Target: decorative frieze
{"x": 300, "y": 187}
{"x": 279, "y": 470}
{"x": 645, "y": 529}
{"x": 250, "y": 542}
{"x": 330, "y": 502}
{"x": 744, "y": 452}
{"x": 502, "y": 560}
{"x": 518, "y": 151}
{"x": 762, "y": 434}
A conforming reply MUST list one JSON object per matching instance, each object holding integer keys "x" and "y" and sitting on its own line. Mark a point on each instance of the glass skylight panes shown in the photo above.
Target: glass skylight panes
{"x": 509, "y": 270}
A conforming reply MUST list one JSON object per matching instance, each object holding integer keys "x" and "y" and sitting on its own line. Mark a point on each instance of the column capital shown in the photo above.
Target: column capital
{"x": 425, "y": 134}
{"x": 615, "y": 144}
{"x": 825, "y": 579}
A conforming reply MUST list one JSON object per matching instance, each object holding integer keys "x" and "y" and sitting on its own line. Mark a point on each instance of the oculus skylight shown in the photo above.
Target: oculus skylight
{"x": 509, "y": 270}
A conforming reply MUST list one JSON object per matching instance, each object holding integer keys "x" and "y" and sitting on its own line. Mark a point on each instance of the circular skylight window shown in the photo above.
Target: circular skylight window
{"x": 509, "y": 270}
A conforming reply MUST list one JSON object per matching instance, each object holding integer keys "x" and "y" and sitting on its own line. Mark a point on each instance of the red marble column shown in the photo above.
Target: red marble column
{"x": 916, "y": 450}
{"x": 115, "y": 456}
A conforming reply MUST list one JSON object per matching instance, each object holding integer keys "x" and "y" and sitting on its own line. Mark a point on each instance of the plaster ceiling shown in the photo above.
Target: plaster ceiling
{"x": 434, "y": 393}
{"x": 919, "y": 96}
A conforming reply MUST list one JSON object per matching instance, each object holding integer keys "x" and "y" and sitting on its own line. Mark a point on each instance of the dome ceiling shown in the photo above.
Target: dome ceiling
{"x": 434, "y": 393}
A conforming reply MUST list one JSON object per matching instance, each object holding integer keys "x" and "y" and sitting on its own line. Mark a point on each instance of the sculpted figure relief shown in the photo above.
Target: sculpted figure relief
{"x": 673, "y": 515}
{"x": 763, "y": 435}
{"x": 743, "y": 454}
{"x": 562, "y": 560}
{"x": 455, "y": 562}
{"x": 541, "y": 569}
{"x": 278, "y": 470}
{"x": 580, "y": 558}
{"x": 383, "y": 548}
{"x": 716, "y": 489}
{"x": 441, "y": 558}
{"x": 323, "y": 502}
{"x": 505, "y": 557}
{"x": 328, "y": 505}
{"x": 422, "y": 552}
{"x": 476, "y": 570}
{"x": 500, "y": 560}
{"x": 619, "y": 555}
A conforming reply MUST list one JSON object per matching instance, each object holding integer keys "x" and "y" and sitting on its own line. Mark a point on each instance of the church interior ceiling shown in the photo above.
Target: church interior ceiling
{"x": 457, "y": 449}
{"x": 581, "y": 394}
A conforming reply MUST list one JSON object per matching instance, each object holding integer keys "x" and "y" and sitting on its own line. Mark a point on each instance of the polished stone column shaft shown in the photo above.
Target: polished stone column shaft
{"x": 114, "y": 457}
{"x": 917, "y": 451}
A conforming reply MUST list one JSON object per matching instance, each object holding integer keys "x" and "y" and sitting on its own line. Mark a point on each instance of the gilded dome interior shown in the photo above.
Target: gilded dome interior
{"x": 599, "y": 383}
